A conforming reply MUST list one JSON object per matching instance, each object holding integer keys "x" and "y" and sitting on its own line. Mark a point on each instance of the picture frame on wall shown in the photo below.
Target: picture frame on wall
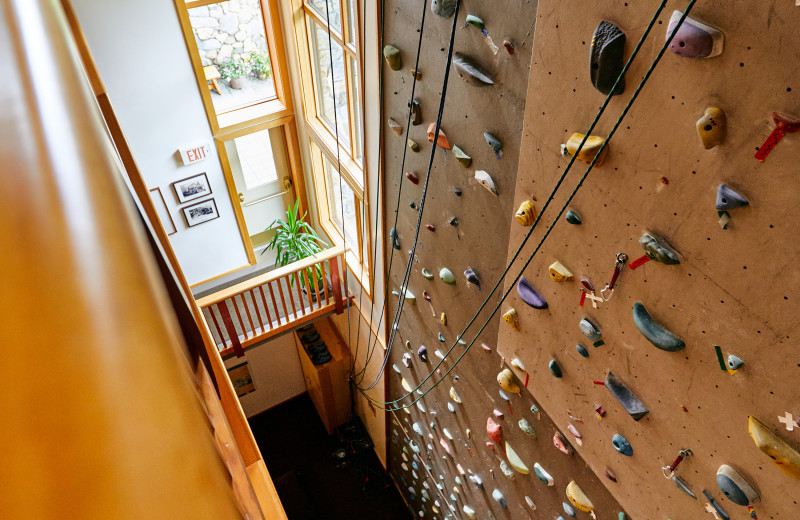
{"x": 192, "y": 188}
{"x": 200, "y": 212}
{"x": 163, "y": 212}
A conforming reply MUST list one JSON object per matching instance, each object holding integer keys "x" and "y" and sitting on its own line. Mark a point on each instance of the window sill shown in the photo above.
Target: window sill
{"x": 248, "y": 116}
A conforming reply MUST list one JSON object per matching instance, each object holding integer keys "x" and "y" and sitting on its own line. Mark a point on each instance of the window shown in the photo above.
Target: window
{"x": 331, "y": 70}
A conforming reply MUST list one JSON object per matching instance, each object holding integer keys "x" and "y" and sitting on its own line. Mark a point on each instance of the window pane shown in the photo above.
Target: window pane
{"x": 327, "y": 82}
{"x": 334, "y": 12}
{"x": 256, "y": 159}
{"x": 234, "y": 53}
{"x": 358, "y": 146}
{"x": 352, "y": 16}
{"x": 335, "y": 205}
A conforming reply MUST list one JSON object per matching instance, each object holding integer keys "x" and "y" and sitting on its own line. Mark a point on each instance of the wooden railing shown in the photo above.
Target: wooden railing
{"x": 261, "y": 307}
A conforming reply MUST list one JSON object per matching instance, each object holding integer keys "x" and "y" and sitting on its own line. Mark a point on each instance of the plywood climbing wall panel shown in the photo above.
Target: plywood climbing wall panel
{"x": 735, "y": 288}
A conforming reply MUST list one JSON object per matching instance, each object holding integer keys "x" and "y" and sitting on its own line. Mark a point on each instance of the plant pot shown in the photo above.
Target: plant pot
{"x": 237, "y": 83}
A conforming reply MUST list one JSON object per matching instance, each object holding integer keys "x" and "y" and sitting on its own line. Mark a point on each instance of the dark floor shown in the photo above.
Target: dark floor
{"x": 312, "y": 482}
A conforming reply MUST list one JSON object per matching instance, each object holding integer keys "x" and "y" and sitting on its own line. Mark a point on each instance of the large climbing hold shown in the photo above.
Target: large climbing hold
{"x": 470, "y": 71}
{"x": 392, "y": 56}
{"x": 630, "y": 402}
{"x": 461, "y": 156}
{"x": 529, "y": 294}
{"x": 589, "y": 150}
{"x": 657, "y": 249}
{"x": 786, "y": 457}
{"x": 694, "y": 39}
{"x": 729, "y": 199}
{"x": 512, "y": 318}
{"x": 447, "y": 276}
{"x": 526, "y": 213}
{"x": 543, "y": 475}
{"x": 506, "y": 381}
{"x": 655, "y": 333}
{"x": 711, "y": 127}
{"x": 606, "y": 58}
{"x": 443, "y": 8}
{"x": 515, "y": 461}
{"x": 493, "y": 430}
{"x": 559, "y": 273}
{"x": 735, "y": 487}
{"x": 485, "y": 180}
{"x": 441, "y": 139}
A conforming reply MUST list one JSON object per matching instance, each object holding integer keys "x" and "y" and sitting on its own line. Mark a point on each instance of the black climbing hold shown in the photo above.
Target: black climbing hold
{"x": 630, "y": 402}
{"x": 606, "y": 58}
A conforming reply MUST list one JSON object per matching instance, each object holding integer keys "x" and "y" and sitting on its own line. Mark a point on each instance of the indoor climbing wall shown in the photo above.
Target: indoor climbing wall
{"x": 441, "y": 452}
{"x": 642, "y": 381}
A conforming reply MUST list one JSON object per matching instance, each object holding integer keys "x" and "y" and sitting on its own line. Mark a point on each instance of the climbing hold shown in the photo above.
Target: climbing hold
{"x": 786, "y": 457}
{"x": 507, "y": 471}
{"x": 573, "y": 217}
{"x": 394, "y": 238}
{"x": 516, "y": 363}
{"x": 582, "y": 350}
{"x": 589, "y": 150}
{"x": 494, "y": 143}
{"x": 413, "y": 145}
{"x": 462, "y": 158}
{"x": 467, "y": 510}
{"x": 423, "y": 353}
{"x": 446, "y": 275}
{"x": 559, "y": 273}
{"x": 395, "y": 127}
{"x": 621, "y": 516}
{"x": 412, "y": 205}
{"x": 498, "y": 496}
{"x": 683, "y": 486}
{"x": 589, "y": 329}
{"x": 407, "y": 359}
{"x": 711, "y": 127}
{"x": 416, "y": 73}
{"x": 568, "y": 509}
{"x": 574, "y": 431}
{"x": 515, "y": 461}
{"x": 472, "y": 278}
{"x": 561, "y": 443}
{"x": 486, "y": 181}
{"x": 410, "y": 298}
{"x": 412, "y": 177}
{"x": 447, "y": 434}
{"x": 506, "y": 381}
{"x": 694, "y": 39}
{"x": 529, "y": 294}
{"x": 444, "y": 319}
{"x": 414, "y": 446}
{"x": 430, "y": 227}
{"x": 417, "y": 428}
{"x": 630, "y": 402}
{"x": 734, "y": 363}
{"x": 427, "y": 274}
{"x": 718, "y": 508}
{"x": 657, "y": 249}
{"x": 475, "y": 479}
{"x": 493, "y": 430}
{"x": 438, "y": 353}
{"x": 443, "y": 8}
{"x": 735, "y": 487}
{"x": 610, "y": 475}
{"x": 543, "y": 475}
{"x": 441, "y": 140}
{"x": 470, "y": 71}
{"x": 396, "y": 368}
{"x": 729, "y": 199}
{"x": 655, "y": 333}
{"x": 446, "y": 446}
{"x": 440, "y": 337}
{"x": 622, "y": 445}
{"x": 605, "y": 58}
{"x": 503, "y": 395}
{"x": 529, "y": 501}
{"x": 512, "y": 318}
{"x": 451, "y": 408}
{"x": 457, "y": 191}
{"x": 526, "y": 427}
{"x": 392, "y": 56}
{"x": 475, "y": 21}
{"x": 555, "y": 369}
{"x": 526, "y": 213}
{"x": 416, "y": 111}
{"x": 454, "y": 395}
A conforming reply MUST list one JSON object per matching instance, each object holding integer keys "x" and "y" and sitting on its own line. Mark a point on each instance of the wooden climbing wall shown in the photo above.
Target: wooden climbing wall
{"x": 736, "y": 288}
{"x": 480, "y": 242}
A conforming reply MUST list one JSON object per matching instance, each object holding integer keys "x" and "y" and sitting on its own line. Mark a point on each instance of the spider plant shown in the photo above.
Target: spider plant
{"x": 294, "y": 240}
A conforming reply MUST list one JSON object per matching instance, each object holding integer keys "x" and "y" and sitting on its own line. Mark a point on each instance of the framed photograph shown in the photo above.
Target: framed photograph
{"x": 191, "y": 188}
{"x": 163, "y": 212}
{"x": 241, "y": 379}
{"x": 200, "y": 212}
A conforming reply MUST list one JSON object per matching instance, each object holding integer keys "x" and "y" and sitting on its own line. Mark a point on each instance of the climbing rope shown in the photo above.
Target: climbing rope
{"x": 538, "y": 218}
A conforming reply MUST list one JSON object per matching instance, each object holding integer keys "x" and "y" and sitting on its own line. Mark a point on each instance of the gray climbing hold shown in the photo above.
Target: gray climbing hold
{"x": 568, "y": 509}
{"x": 443, "y": 8}
{"x": 470, "y": 71}
{"x": 475, "y": 479}
{"x": 582, "y": 350}
{"x": 498, "y": 496}
{"x": 555, "y": 369}
{"x": 657, "y": 249}
{"x": 427, "y": 274}
{"x": 589, "y": 329}
{"x": 506, "y": 469}
{"x": 573, "y": 217}
{"x": 393, "y": 237}
{"x": 423, "y": 353}
{"x": 446, "y": 276}
{"x": 486, "y": 181}
{"x": 494, "y": 143}
{"x": 461, "y": 156}
{"x": 729, "y": 199}
{"x": 527, "y": 428}
{"x": 655, "y": 333}
{"x": 416, "y": 111}
{"x": 630, "y": 402}
{"x": 622, "y": 445}
{"x": 529, "y": 294}
{"x": 472, "y": 278}
{"x": 735, "y": 487}
{"x": 718, "y": 508}
{"x": 606, "y": 58}
{"x": 392, "y": 56}
{"x": 735, "y": 362}
{"x": 683, "y": 486}
{"x": 395, "y": 127}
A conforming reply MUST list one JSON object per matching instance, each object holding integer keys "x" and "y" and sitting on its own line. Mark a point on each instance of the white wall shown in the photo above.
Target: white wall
{"x": 143, "y": 60}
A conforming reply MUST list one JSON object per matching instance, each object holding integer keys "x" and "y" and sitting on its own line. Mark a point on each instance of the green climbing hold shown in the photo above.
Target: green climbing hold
{"x": 392, "y": 56}
{"x": 555, "y": 369}
{"x": 657, "y": 249}
{"x": 475, "y": 21}
{"x": 447, "y": 276}
{"x": 462, "y": 158}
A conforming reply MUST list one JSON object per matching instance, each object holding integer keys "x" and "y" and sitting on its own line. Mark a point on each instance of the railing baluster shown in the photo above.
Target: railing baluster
{"x": 299, "y": 279}
{"x": 266, "y": 306}
{"x": 255, "y": 308}
{"x": 289, "y": 290}
{"x": 275, "y": 305}
{"x": 291, "y": 297}
{"x": 216, "y": 325}
{"x": 239, "y": 315}
{"x": 249, "y": 317}
{"x": 324, "y": 282}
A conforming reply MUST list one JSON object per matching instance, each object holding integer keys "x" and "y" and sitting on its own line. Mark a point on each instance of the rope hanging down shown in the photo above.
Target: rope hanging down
{"x": 552, "y": 225}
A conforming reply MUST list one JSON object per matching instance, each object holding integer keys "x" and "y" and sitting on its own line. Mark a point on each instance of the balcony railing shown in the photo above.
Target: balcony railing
{"x": 261, "y": 307}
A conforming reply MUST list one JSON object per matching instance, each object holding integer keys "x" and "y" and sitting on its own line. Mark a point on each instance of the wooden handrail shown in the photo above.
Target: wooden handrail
{"x": 270, "y": 276}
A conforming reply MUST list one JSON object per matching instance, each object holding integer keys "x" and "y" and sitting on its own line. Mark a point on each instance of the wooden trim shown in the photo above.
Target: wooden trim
{"x": 226, "y": 273}
{"x": 296, "y": 165}
{"x": 234, "y": 197}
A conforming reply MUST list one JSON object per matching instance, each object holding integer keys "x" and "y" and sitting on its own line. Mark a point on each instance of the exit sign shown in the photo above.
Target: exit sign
{"x": 195, "y": 153}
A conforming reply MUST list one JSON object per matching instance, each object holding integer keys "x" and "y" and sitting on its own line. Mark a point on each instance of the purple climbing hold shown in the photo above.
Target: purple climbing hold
{"x": 472, "y": 278}
{"x": 694, "y": 39}
{"x": 529, "y": 294}
{"x": 423, "y": 353}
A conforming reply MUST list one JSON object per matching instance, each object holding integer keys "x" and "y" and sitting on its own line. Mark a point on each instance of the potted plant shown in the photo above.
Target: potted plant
{"x": 259, "y": 64}
{"x": 294, "y": 240}
{"x": 234, "y": 70}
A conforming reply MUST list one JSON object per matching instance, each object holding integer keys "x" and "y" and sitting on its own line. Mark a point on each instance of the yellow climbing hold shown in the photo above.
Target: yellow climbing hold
{"x": 444, "y": 319}
{"x": 506, "y": 381}
{"x": 454, "y": 396}
{"x": 578, "y": 497}
{"x": 589, "y": 150}
{"x": 559, "y": 273}
{"x": 512, "y": 318}
{"x": 786, "y": 457}
{"x": 526, "y": 213}
{"x": 515, "y": 461}
{"x": 405, "y": 385}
